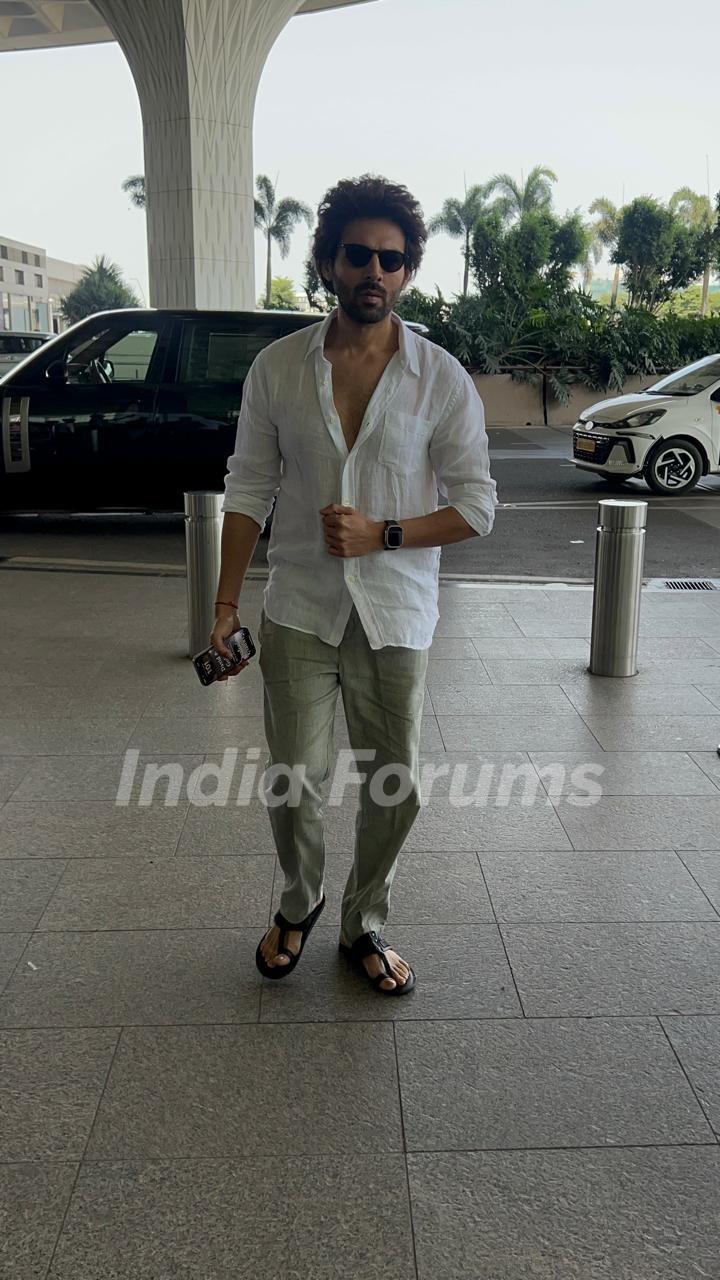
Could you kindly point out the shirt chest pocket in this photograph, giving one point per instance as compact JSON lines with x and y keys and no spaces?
{"x":404,"y":440}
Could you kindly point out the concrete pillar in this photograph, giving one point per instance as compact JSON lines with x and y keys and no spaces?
{"x":196,"y":64}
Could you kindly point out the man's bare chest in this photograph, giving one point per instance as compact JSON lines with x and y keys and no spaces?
{"x":353,"y":389}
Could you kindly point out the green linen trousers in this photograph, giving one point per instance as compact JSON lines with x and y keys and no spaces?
{"x":382,"y":692}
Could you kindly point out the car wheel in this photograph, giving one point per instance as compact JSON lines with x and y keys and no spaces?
{"x":674,"y":466}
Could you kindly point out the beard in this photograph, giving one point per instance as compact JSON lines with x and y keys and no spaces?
{"x":363,"y":310}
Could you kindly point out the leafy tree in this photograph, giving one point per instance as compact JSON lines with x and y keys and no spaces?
{"x":277,"y":220}
{"x":568,"y":247}
{"x":100,"y":288}
{"x":517,"y":199}
{"x":658,"y":252}
{"x":135,"y":188}
{"x":607,"y":216}
{"x":527,"y":250}
{"x":488,"y":250}
{"x":696,"y":212}
{"x":457,"y":218}
{"x":282,"y":295}
{"x":313,"y":288}
{"x":537,"y":251}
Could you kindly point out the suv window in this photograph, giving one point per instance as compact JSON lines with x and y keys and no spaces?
{"x":18,"y":344}
{"x":111,"y":355}
{"x":215,"y":351}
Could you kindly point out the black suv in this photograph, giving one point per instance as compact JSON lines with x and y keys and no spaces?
{"x":130,"y":408}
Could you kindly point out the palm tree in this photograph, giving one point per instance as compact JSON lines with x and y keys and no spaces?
{"x":457,"y":218}
{"x":517,"y":199}
{"x":695,"y":211}
{"x":607,"y":221}
{"x":100,"y":288}
{"x":277,"y":219}
{"x":135,"y":188}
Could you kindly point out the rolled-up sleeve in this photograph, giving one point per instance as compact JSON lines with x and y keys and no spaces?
{"x":254,"y":468}
{"x":459,"y":455}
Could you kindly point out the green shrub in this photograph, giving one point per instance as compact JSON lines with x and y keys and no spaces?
{"x":557,"y":338}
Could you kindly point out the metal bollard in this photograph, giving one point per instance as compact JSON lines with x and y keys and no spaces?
{"x":619,"y":556}
{"x":203,"y":527}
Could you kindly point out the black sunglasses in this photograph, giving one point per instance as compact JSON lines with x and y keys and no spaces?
{"x":358,"y":255}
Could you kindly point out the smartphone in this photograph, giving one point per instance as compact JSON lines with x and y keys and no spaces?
{"x":210,"y":664}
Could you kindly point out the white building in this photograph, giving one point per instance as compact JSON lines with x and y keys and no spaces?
{"x":62,"y":278}
{"x":23,"y":286}
{"x":32,"y":287}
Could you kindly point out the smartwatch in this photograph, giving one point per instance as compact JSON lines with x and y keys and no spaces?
{"x":393,"y":537}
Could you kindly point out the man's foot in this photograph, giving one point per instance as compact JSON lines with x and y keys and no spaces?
{"x":269,"y":944}
{"x":374,"y":965}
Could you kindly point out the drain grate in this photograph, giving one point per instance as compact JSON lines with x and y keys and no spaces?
{"x":682,"y":584}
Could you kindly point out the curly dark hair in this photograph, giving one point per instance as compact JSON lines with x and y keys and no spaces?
{"x":368,"y":196}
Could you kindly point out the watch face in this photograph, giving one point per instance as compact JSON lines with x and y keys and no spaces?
{"x":394,"y":536}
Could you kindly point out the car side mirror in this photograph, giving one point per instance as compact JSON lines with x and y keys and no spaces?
{"x":56,"y":373}
{"x":716,"y":395}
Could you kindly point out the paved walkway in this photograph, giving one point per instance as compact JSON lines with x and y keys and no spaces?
{"x":545,"y":1104}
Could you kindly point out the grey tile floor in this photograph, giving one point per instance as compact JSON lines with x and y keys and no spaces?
{"x":546,"y":1102}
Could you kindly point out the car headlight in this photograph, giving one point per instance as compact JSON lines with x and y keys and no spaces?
{"x":643,"y":419}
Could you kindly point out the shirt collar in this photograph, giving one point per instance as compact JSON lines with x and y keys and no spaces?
{"x":407,"y":341}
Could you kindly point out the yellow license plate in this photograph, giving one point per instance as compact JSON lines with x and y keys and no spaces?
{"x":585,"y":446}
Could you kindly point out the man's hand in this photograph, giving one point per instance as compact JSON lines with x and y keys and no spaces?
{"x":348,"y":533}
{"x":227,"y":621}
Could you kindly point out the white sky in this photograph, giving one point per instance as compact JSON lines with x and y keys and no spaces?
{"x":618,"y":97}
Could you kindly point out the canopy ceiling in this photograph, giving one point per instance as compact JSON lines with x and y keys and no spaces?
{"x":50,"y":24}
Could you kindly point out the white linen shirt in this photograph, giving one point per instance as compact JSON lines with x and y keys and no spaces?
{"x":423,"y":430}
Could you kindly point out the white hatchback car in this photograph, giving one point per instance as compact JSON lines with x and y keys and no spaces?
{"x":668,"y":434}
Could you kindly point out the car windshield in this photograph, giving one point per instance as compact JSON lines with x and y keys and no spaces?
{"x":689,"y":381}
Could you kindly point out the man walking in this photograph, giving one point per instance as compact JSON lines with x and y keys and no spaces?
{"x":354,"y":423}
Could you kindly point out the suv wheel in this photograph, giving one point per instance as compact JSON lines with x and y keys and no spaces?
{"x":674,"y":467}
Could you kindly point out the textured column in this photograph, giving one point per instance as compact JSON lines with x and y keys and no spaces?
{"x":196,"y":64}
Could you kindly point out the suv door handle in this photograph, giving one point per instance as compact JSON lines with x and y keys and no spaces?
{"x":15,"y":433}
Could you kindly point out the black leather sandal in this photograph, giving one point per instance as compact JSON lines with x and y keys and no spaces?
{"x":372,"y":943}
{"x":286,"y":926}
